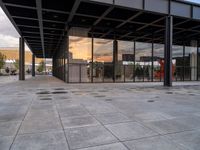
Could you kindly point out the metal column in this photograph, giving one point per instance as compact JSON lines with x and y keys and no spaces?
{"x":33,"y":65}
{"x":115,"y":59}
{"x":21,"y":59}
{"x":168,"y":51}
{"x":152,"y":60}
{"x":198,"y":60}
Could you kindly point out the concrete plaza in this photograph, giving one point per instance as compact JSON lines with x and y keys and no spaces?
{"x":44,"y":113}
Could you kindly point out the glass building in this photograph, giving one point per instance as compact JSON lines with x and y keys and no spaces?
{"x":95,"y":41}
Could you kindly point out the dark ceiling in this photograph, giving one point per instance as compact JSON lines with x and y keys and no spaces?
{"x":44,"y":24}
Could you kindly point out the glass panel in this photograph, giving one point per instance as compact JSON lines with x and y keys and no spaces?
{"x":80,"y":53}
{"x":158,"y":62}
{"x":143,"y":64}
{"x":103,"y":60}
{"x":125,"y":65}
{"x":129,"y":73}
{"x":190,"y":63}
{"x":74,"y":72}
{"x":86,"y":72}
{"x":177,"y":60}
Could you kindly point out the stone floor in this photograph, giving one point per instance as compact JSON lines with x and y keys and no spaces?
{"x":43,"y":113}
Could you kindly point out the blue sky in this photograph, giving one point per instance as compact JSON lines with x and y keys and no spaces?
{"x":195,"y":1}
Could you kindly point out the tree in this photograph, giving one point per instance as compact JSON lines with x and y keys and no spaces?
{"x":7,"y":70}
{"x":41,"y":67}
{"x":2,"y":60}
{"x":16,"y":64}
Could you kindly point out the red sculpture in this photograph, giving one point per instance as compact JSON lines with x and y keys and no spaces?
{"x":160,"y":73}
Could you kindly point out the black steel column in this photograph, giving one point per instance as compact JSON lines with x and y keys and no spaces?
{"x":152,"y":60}
{"x":198,"y":60}
{"x":115,"y":59}
{"x":92,"y":65}
{"x":33,"y":65}
{"x":168,"y":51}
{"x":134,"y":49}
{"x":21,"y":59}
{"x":67,"y":57}
{"x":183,"y":67}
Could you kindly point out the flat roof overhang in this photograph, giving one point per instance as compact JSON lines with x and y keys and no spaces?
{"x":43,"y":23}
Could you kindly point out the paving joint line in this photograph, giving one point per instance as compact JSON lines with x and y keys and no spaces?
{"x":17,"y":133}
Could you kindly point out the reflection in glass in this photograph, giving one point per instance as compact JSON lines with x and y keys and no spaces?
{"x":79,"y":59}
{"x":103,"y":60}
{"x":143,"y":63}
{"x":158,"y":62}
{"x":178,"y":62}
{"x":125,"y":64}
{"x":190,"y":63}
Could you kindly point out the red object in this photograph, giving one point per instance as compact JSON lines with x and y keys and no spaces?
{"x":160,"y":73}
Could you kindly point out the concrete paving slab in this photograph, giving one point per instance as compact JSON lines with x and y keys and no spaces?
{"x":41,"y":141}
{"x":9,"y":128}
{"x":100,"y":107}
{"x":74,"y":122}
{"x":112,"y":118}
{"x":152,"y":116}
{"x":175,"y":125}
{"x":40,"y":125}
{"x":98,"y":116}
{"x":5,"y":142}
{"x":41,"y":114}
{"x":89,"y":136}
{"x":72,"y":111}
{"x":188,"y":139}
{"x":114,"y":146}
{"x":130,"y":131}
{"x":12,"y":113}
{"x":153,"y":143}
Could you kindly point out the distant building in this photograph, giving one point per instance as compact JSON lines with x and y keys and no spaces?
{"x":12,"y":54}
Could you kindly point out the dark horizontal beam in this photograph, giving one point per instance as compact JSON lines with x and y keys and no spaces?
{"x":34,"y":8}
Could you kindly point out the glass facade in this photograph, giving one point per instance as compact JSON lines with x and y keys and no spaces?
{"x":190,"y":63}
{"x":80,"y":59}
{"x":158,"y":62}
{"x":95,"y":60}
{"x":178,"y":63}
{"x":143,"y":61}
{"x":184,"y":63}
{"x":125,"y":64}
{"x":103,"y":60}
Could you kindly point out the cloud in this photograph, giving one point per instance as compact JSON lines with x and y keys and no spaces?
{"x":6,"y":27}
{"x":8,"y":34}
{"x":8,"y":41}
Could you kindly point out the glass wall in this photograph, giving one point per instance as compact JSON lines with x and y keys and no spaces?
{"x":190,"y":63}
{"x":178,"y":63}
{"x":158,"y":62}
{"x":93,"y":62}
{"x":143,"y":61}
{"x":125,"y":64}
{"x":59,"y":62}
{"x":80,"y":59}
{"x":103,"y":60}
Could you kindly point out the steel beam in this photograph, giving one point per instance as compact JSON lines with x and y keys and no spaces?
{"x":33,"y":65}
{"x":115,"y":59}
{"x":168,"y":51}
{"x":21,"y":59}
{"x":39,"y":13}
